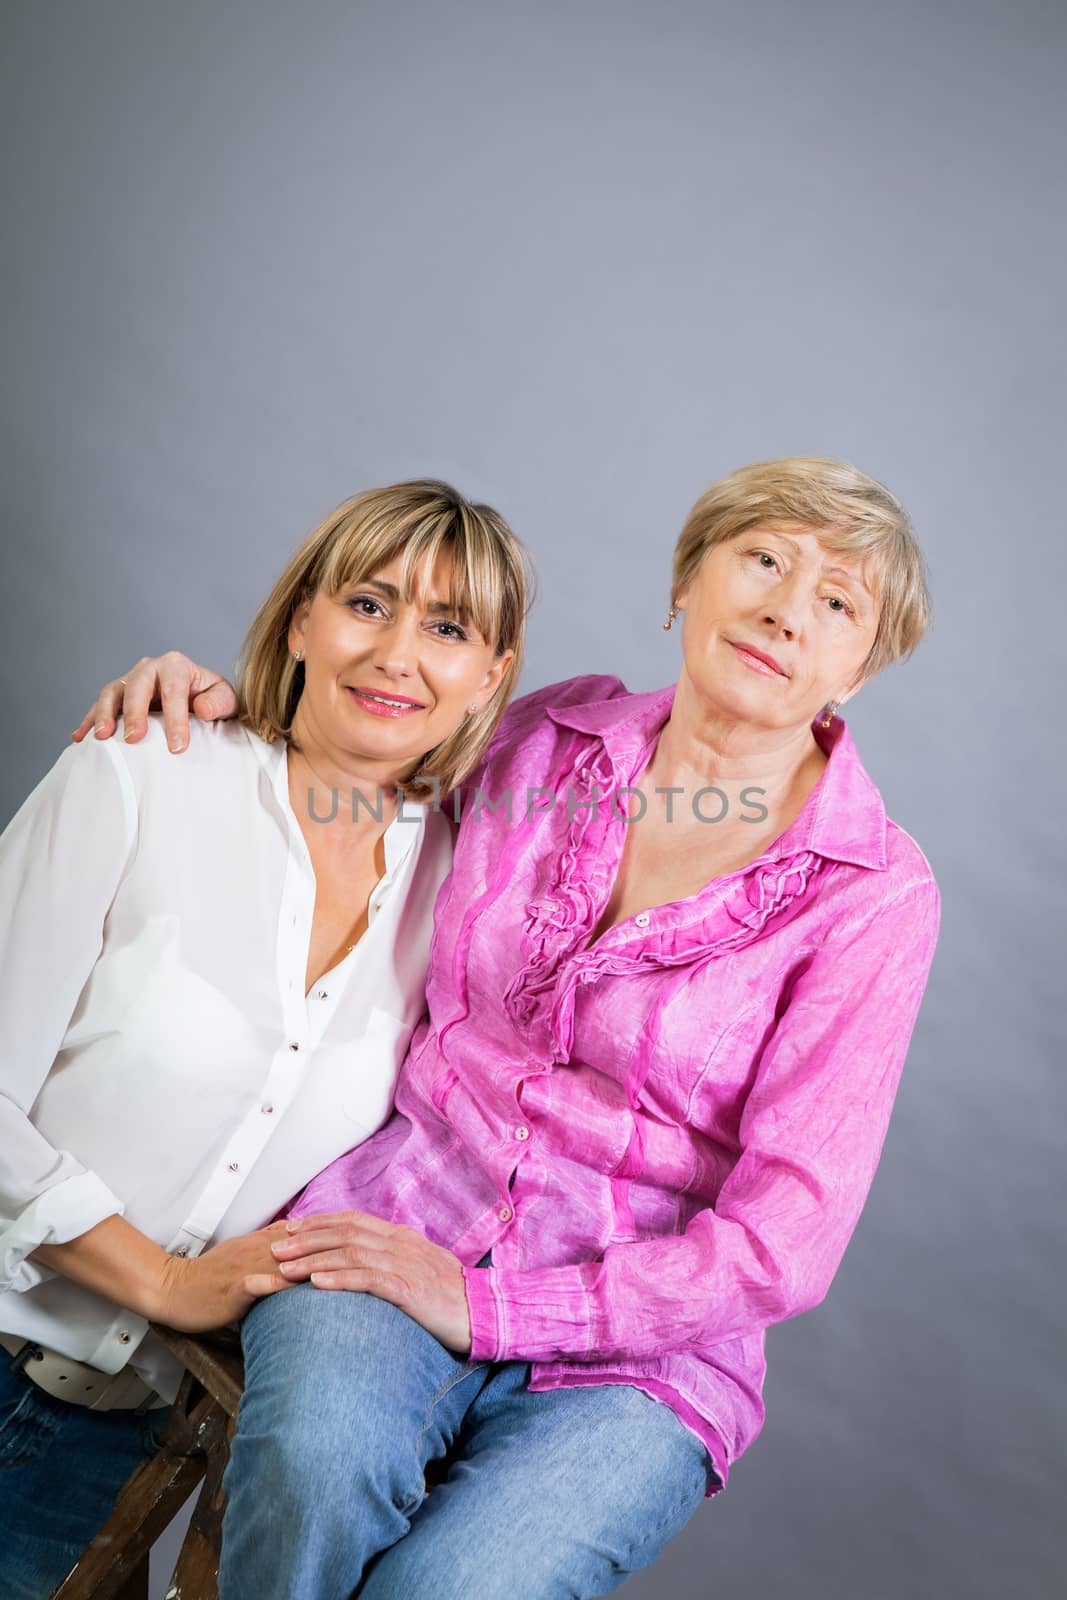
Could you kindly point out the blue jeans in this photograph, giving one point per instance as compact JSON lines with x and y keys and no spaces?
{"x":346,"y":1400}
{"x":61,"y":1468}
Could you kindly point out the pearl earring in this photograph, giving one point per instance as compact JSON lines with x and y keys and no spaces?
{"x":672,"y":613}
{"x":472,"y":708}
{"x":830,"y":709}
{"x":298,"y":655}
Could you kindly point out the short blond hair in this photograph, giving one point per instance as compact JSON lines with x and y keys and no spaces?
{"x":416,"y":521}
{"x":854,"y":516}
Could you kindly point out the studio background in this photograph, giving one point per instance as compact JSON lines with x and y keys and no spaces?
{"x":583,"y":259}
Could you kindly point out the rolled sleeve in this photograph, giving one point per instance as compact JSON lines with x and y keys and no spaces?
{"x":65,"y":1211}
{"x":62,"y":859}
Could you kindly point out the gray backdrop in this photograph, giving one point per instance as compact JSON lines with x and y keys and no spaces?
{"x":583,"y":259}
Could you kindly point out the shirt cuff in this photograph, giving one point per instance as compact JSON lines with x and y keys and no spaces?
{"x":481,"y":1306}
{"x":60,"y":1214}
{"x":546,"y":1315}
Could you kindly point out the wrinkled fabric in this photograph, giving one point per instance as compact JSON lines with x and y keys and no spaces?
{"x":665,"y":1138}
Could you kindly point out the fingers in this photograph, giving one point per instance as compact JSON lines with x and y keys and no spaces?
{"x":337,"y":1219}
{"x":379,"y":1271}
{"x":159,"y":680}
{"x":310,"y":1253}
{"x":131,"y":696}
{"x":215,"y":703}
{"x":261,"y":1284}
{"x":103,"y":712}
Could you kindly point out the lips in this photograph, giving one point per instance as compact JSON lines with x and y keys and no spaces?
{"x":381,"y":705}
{"x":759,"y":660}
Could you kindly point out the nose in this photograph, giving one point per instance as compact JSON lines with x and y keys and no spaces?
{"x":783,"y":607}
{"x":396,"y":655}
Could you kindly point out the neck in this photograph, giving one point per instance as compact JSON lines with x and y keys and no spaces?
{"x":700,"y":746}
{"x":330,"y":768}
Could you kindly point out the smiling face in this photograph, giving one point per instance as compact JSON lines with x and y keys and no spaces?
{"x":776,"y":625}
{"x":388,"y":678}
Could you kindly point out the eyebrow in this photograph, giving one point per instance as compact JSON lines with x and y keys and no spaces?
{"x":435,"y":608}
{"x":851,"y":578}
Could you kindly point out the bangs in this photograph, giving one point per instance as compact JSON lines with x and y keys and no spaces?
{"x":480,"y":584}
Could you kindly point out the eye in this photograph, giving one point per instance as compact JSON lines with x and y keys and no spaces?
{"x":364,"y":605}
{"x":840,"y":605}
{"x":450,"y":630}
{"x":767,"y":561}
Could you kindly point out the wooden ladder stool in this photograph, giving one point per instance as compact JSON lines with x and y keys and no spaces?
{"x":195,"y":1446}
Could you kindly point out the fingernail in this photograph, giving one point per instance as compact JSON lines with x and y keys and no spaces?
{"x":291,"y":1224}
{"x":277,"y":1248}
{"x":99,"y":727}
{"x":175,"y":743}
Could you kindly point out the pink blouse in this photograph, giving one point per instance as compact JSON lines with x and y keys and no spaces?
{"x":665,"y":1138}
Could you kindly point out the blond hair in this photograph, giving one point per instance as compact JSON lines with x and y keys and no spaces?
{"x":853,"y":515}
{"x":417,"y":522}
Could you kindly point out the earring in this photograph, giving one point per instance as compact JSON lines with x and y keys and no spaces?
{"x":672,"y":613}
{"x":472,"y":708}
{"x":298,"y":655}
{"x":830,"y":708}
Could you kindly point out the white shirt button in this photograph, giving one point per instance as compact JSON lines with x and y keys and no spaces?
{"x":294,"y":1047}
{"x":267,"y":1110}
{"x":522,"y":1133}
{"x":505,"y":1213}
{"x":181,"y":1250}
{"x":323,"y":995}
{"x":642,"y":919}
{"x":124,"y":1337}
{"x":234,"y":1167}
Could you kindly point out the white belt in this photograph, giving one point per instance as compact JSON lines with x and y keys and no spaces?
{"x":77,"y":1382}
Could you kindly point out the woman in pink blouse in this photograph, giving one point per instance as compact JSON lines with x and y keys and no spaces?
{"x":674,"y":975}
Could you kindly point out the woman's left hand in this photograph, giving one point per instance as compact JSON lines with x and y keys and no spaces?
{"x":351,"y":1250}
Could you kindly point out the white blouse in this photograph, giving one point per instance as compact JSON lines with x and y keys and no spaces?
{"x":158,"y":1055}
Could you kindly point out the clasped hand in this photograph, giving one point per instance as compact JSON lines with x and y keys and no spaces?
{"x":351,"y":1250}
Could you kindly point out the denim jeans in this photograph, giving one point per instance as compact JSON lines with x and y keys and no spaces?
{"x":346,"y":1399}
{"x":61,"y":1468}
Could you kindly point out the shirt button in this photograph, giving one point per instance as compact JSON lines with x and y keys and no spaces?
{"x":181,"y":1250}
{"x":267,"y":1110}
{"x":294,"y":1047}
{"x":505,"y":1213}
{"x":642,"y":919}
{"x":323,"y":995}
{"x":234,"y":1167}
{"x":124,"y":1337}
{"x":522,"y":1133}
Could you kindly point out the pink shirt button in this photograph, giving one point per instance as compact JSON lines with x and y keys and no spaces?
{"x":522,"y":1133}
{"x":505,"y":1213}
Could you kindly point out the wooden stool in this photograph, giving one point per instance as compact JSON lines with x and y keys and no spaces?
{"x":196,"y":1445}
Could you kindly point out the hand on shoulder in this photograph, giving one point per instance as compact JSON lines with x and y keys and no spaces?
{"x":171,"y":682}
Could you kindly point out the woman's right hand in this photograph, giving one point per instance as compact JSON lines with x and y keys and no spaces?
{"x":201,"y":1292}
{"x":171,"y":680}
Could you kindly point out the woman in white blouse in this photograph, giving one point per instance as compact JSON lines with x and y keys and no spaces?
{"x":209,"y":971}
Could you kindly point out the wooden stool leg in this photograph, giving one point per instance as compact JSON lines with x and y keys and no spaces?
{"x":196,"y":1575}
{"x":151,"y":1499}
{"x":136,"y":1585}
